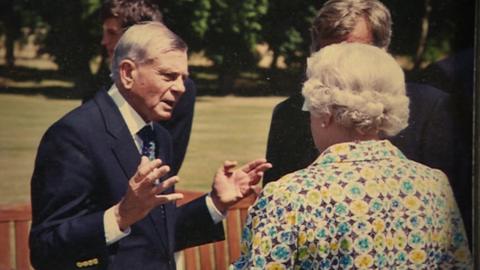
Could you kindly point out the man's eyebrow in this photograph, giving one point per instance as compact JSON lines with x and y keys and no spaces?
{"x":170,"y":71}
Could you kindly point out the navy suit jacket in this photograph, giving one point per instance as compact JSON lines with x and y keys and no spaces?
{"x":430,"y":138}
{"x":82,"y":168}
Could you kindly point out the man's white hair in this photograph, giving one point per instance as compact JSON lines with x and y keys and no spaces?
{"x":360,"y":85}
{"x":136,"y":42}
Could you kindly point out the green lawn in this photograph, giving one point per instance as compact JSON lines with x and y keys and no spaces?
{"x":232,"y":128}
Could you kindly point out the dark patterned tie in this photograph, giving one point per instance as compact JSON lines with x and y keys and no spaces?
{"x":148,"y":146}
{"x":149,"y":150}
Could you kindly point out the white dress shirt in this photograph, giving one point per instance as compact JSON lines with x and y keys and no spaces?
{"x":134,"y":124}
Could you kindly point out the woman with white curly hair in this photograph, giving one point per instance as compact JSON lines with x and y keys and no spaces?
{"x":362,"y":203}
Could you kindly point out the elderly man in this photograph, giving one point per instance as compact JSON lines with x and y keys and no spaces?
{"x":96,"y":201}
{"x":429,"y":138}
{"x":116,"y":17}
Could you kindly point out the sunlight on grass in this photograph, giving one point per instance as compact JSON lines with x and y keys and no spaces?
{"x":23,"y":120}
{"x":224,"y":128}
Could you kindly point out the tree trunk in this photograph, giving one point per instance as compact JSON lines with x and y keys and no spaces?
{"x":423,"y":35}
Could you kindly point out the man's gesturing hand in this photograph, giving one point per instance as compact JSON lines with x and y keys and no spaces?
{"x":230,"y":186}
{"x":143,"y":194}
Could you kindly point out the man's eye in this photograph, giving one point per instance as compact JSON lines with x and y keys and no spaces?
{"x":169,"y":76}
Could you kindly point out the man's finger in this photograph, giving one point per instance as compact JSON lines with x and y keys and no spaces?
{"x":156,"y":174}
{"x":166,"y":184}
{"x":260,"y":169}
{"x":229,"y":165}
{"x":166,"y":198}
{"x":253,"y":164}
{"x":145,"y":168}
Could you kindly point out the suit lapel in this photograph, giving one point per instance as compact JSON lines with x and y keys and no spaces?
{"x":125,"y":150}
{"x":122,"y":143}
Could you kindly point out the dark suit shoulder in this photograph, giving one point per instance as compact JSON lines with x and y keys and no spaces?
{"x":422,"y":92}
{"x":293,"y":104}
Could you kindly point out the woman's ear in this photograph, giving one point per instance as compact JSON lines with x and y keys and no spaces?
{"x":127,"y":71}
{"x":327,"y":119}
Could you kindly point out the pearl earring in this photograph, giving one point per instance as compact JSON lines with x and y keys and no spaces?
{"x":322,"y":125}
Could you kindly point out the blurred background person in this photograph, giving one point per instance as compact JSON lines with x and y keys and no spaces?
{"x":430,"y":138}
{"x":362,"y":203}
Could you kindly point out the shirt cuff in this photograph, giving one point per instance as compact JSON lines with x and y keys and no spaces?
{"x":112,"y":231}
{"x":216,"y":215}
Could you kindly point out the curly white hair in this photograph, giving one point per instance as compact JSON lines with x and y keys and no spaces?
{"x":362,"y":86}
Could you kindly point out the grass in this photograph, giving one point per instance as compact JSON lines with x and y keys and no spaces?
{"x":233,"y":128}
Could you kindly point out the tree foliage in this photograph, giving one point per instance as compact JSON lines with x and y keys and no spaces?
{"x":227,"y":31}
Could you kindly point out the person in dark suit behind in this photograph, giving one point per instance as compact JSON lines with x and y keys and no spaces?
{"x":429,"y":138}
{"x":116,"y":17}
{"x":96,"y":202}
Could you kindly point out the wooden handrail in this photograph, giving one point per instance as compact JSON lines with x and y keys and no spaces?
{"x":17,"y":218}
{"x":217,"y":255}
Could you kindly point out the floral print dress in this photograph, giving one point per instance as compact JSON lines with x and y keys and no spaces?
{"x":360,"y":205}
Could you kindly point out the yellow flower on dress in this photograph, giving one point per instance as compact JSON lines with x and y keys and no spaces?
{"x":393,"y":186}
{"x":269,"y":189}
{"x":379,"y":242}
{"x":389,"y":242}
{"x":378,"y":225}
{"x":462,"y":254}
{"x":382,"y":188}
{"x":256,"y":240}
{"x":290,"y":217}
{"x":400,"y":240}
{"x":359,"y":207}
{"x":325,"y":194}
{"x":312,"y":248}
{"x":411,"y":202}
{"x":340,"y":149}
{"x":371,"y":187}
{"x":337,"y":193}
{"x":275,"y":266}
{"x":314,"y":198}
{"x":244,"y":247}
{"x":302,"y":238}
{"x":417,"y":256}
{"x":364,"y":261}
{"x":255,"y":221}
{"x":265,"y":246}
{"x":367,"y":173}
{"x":435,"y":237}
{"x":334,"y":246}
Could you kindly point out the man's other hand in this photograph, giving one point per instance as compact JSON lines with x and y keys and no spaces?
{"x":230,"y":185}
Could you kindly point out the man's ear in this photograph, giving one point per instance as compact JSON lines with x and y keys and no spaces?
{"x":127,"y":71}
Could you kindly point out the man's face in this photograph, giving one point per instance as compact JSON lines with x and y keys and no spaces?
{"x":112,"y":31}
{"x":158,"y":85}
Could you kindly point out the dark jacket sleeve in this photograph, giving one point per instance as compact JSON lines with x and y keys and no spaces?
{"x":290,"y":145}
{"x":66,"y":224}
{"x":194,"y":225}
{"x":444,"y":148}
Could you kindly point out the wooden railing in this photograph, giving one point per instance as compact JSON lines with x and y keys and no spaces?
{"x":15,"y":225}
{"x":219,"y":255}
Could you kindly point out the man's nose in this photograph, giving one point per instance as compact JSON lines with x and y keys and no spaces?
{"x":179,"y":86}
